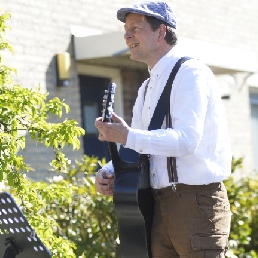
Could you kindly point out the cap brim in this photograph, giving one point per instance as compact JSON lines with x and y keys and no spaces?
{"x":121,"y":15}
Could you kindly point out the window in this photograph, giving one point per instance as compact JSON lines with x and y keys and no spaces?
{"x":90,"y":112}
{"x":254,"y":122}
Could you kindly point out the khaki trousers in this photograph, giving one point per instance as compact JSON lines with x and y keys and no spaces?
{"x":191,"y":222}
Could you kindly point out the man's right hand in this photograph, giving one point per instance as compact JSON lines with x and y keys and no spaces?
{"x":104,"y":182}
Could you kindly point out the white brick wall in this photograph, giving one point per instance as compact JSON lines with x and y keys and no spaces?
{"x":41,"y":29}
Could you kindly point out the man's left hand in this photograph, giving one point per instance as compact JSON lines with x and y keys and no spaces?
{"x":112,"y":132}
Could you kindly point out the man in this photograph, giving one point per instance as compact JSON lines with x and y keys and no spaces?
{"x":192,"y":220}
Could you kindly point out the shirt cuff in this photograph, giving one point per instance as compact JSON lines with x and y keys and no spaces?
{"x":138,"y":140}
{"x":131,"y":138}
{"x":109,"y":167}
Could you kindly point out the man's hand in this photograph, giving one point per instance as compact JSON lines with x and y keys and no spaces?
{"x":104,"y":182}
{"x":112,"y":132}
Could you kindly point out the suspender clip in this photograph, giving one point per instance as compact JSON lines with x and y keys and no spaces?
{"x":174,"y":186}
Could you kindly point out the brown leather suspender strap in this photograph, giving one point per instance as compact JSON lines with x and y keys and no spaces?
{"x":171,"y":161}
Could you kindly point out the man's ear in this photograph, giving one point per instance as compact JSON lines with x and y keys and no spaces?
{"x":162,"y":31}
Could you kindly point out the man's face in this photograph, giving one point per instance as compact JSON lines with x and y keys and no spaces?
{"x":140,"y":39}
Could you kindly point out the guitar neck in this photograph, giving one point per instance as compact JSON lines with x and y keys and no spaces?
{"x":108,"y":101}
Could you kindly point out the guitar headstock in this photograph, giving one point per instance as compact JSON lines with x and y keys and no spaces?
{"x":108,"y":101}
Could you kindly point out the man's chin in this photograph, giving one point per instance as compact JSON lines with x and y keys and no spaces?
{"x":134,"y":58}
{"x":131,"y":57}
{"x":137,"y":59}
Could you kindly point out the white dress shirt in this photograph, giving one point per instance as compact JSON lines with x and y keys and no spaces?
{"x":199,"y":138}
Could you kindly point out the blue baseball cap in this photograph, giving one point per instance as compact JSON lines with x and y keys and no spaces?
{"x":158,"y":9}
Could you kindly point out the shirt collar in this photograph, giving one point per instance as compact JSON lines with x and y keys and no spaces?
{"x":161,"y":65}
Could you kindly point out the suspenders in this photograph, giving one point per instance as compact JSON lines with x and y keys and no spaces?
{"x":163,"y":109}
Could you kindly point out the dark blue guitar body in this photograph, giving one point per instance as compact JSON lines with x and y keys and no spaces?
{"x":133,"y":205}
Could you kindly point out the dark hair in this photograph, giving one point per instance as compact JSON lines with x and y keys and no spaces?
{"x":171,"y":37}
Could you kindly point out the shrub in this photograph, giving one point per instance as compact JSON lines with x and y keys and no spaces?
{"x":24,"y":110}
{"x":89,"y":220}
{"x":243,"y":197}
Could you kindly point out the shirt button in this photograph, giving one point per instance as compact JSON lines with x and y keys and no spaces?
{"x":140,"y":150}
{"x":149,"y":107}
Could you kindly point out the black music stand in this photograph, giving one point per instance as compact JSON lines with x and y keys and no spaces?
{"x":17,"y":238}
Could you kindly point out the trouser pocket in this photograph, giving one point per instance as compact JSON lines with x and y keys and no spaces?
{"x":209,"y":241}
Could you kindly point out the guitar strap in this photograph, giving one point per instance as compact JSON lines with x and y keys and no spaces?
{"x":163,"y":109}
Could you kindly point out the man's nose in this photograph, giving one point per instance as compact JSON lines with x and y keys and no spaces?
{"x":127,"y":35}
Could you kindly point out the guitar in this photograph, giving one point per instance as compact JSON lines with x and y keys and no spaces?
{"x":133,"y":206}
